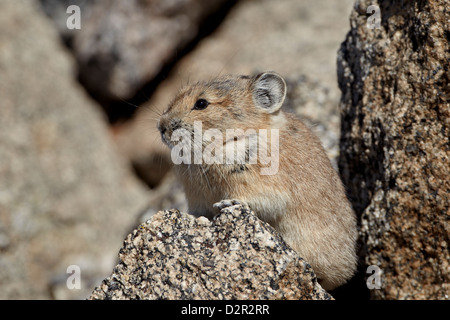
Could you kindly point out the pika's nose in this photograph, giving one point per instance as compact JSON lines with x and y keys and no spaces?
{"x":165,"y":124}
{"x":175,"y":124}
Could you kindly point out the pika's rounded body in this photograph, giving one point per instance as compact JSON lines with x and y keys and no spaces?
{"x":302,"y":197}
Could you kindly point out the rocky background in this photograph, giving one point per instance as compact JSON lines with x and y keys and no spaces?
{"x":81,"y":164}
{"x":395,"y":147}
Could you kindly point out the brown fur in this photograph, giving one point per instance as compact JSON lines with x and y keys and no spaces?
{"x":304,"y":201}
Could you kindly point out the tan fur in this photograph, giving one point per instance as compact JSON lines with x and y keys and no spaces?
{"x":304,"y":201}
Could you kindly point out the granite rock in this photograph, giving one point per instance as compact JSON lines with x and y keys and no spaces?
{"x":235,"y":256}
{"x":394,"y":149}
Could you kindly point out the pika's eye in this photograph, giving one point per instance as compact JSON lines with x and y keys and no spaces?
{"x":201,"y":104}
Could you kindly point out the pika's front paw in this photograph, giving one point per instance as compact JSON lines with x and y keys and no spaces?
{"x":228,"y":203}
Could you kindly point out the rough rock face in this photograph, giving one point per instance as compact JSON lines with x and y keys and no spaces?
{"x":124,"y":44}
{"x":236,"y":256}
{"x":395,"y":143}
{"x":61,"y":180}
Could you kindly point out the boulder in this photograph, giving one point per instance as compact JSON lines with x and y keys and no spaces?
{"x":64,"y":189}
{"x":122,"y":45}
{"x":394,"y":149}
{"x":235,"y":256}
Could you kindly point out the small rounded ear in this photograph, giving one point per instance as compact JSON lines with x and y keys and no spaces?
{"x":269,"y":91}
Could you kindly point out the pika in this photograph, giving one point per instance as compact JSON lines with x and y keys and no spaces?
{"x":304,"y":200}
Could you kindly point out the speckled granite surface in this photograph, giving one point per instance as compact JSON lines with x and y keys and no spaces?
{"x":236,"y":256}
{"x":395,"y":148}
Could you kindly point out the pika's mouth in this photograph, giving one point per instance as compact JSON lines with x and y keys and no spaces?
{"x":164,"y":140}
{"x":162,"y":130}
{"x":165,"y":137}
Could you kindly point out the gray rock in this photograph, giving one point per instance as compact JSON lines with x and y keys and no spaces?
{"x":124,"y":44}
{"x":236,"y":256}
{"x":395,"y":143}
{"x":64,"y":190}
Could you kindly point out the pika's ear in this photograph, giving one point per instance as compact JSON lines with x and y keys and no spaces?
{"x":269,"y":91}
